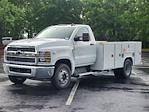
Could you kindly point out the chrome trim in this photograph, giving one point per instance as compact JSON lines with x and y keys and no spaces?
{"x":21,"y":54}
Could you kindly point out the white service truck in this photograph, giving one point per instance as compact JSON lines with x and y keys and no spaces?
{"x":59,"y":52}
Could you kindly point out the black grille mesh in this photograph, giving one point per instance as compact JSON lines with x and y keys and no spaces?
{"x":21,"y":59}
{"x":21,"y":49}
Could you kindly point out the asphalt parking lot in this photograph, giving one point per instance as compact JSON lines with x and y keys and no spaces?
{"x":101,"y":93}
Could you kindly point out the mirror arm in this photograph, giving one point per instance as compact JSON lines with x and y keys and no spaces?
{"x":77,"y":39}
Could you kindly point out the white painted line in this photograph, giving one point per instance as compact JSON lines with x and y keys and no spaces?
{"x":72,"y":93}
{"x":146,"y":80}
{"x":134,"y":73}
{"x":142,"y":67}
{"x":3,"y":74}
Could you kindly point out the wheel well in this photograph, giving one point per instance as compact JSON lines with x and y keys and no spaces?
{"x":64,"y":61}
{"x":129,"y":59}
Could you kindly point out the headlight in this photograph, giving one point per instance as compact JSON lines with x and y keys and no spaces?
{"x":44,"y":57}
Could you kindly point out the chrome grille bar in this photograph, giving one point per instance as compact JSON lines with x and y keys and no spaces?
{"x":21,"y":54}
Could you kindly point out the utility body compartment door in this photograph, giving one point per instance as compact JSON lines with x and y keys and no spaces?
{"x":138,"y":47}
{"x":105,"y":56}
{"x":108,"y":56}
{"x":118,"y":56}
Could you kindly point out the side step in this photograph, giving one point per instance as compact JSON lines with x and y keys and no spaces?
{"x":86,"y":73}
{"x":92,"y":73}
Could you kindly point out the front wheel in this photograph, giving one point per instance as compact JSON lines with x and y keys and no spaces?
{"x":62,"y":76}
{"x":125,"y":72}
{"x":17,"y":80}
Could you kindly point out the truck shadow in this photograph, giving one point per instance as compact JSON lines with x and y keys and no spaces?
{"x":37,"y":89}
{"x":97,"y":83}
{"x":92,"y":83}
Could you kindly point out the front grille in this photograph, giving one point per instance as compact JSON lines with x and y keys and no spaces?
{"x":24,"y":49}
{"x":18,"y":59}
{"x":20,"y":70}
{"x":21,"y":54}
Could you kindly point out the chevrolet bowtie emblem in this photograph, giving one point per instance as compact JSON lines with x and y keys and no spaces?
{"x":19,"y":52}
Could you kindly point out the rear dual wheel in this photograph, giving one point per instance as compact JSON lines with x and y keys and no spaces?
{"x":125,"y":72}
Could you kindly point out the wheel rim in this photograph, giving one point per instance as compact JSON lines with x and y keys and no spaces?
{"x":63,"y":77}
{"x":128,"y":69}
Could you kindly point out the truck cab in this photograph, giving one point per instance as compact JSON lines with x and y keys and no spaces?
{"x":57,"y":53}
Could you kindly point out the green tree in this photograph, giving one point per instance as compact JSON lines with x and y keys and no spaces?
{"x":43,"y":13}
{"x":11,"y":19}
{"x":109,"y":19}
{"x":112,"y":19}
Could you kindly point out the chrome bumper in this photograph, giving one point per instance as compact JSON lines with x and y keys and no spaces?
{"x":37,"y":72}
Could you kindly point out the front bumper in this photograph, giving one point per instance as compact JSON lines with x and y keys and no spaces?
{"x":34,"y":72}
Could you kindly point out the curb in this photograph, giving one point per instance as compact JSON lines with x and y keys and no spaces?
{"x":141,"y":66}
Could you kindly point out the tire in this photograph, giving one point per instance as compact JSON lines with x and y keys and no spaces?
{"x":62,"y":76}
{"x":125,"y":72}
{"x":17,"y":80}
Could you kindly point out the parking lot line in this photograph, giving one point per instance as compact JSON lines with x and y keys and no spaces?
{"x":142,"y":67}
{"x":72,"y":93}
{"x":134,"y":73}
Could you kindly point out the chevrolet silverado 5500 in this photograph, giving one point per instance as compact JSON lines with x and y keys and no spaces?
{"x":59,"y":52}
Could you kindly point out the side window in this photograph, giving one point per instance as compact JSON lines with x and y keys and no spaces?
{"x":81,"y":31}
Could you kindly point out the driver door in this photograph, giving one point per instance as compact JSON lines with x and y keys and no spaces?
{"x":84,"y":51}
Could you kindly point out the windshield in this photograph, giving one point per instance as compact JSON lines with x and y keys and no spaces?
{"x":60,"y":32}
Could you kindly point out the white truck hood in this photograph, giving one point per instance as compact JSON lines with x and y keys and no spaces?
{"x":40,"y":42}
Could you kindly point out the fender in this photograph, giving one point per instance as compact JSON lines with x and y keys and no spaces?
{"x":62,"y":52}
{"x":129,"y":57}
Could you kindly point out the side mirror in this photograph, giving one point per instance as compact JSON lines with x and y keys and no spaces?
{"x":86,"y":37}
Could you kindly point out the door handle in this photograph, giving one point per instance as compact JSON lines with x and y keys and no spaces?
{"x":92,"y":44}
